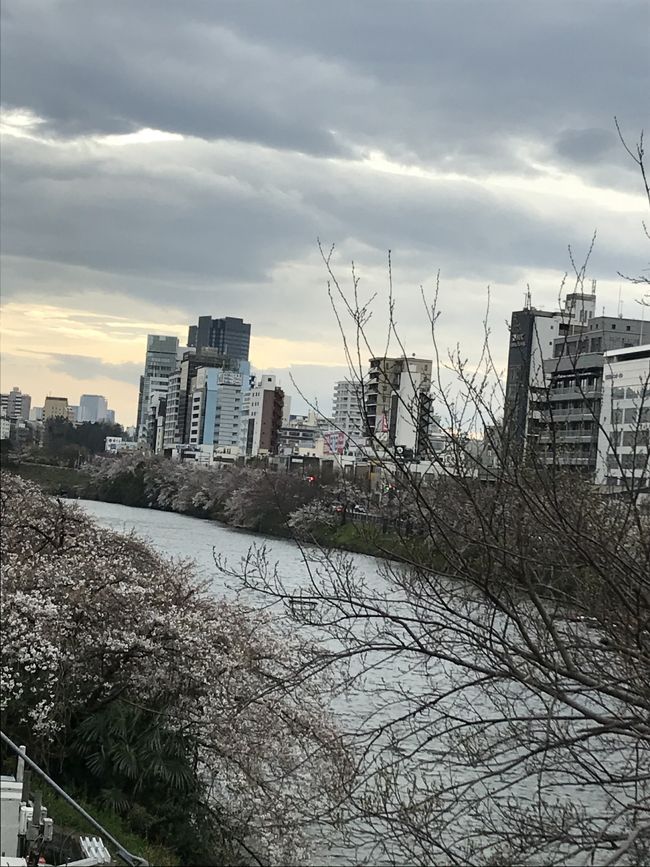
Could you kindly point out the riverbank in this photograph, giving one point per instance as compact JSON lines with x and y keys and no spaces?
{"x":53,"y":480}
{"x":352,"y":535}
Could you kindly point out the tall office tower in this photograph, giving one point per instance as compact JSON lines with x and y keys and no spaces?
{"x":532,"y":335}
{"x":160,"y":363}
{"x":397,"y":403}
{"x":92,"y":408}
{"x":263,"y":407}
{"x":229,"y":336}
{"x":16,"y":405}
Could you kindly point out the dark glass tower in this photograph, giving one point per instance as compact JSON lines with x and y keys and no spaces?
{"x":229,"y":336}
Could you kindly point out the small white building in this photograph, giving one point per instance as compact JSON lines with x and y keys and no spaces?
{"x":115,"y":445}
{"x":624,"y":434}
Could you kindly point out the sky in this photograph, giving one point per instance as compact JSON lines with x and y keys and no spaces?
{"x":162,"y":161}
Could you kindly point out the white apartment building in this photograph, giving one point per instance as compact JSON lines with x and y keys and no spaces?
{"x":263,"y":411}
{"x":398,"y":404}
{"x":347,"y":415}
{"x":624,"y":434}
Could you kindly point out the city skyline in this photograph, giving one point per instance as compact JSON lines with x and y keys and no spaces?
{"x":155,"y":199}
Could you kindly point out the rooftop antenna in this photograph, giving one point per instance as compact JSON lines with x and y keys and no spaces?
{"x":620,"y":303}
{"x":641,"y":329}
{"x":528,"y":302}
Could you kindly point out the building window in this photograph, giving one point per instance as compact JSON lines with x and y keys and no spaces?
{"x":630,"y":415}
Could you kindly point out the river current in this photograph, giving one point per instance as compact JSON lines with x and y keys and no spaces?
{"x":191,"y":538}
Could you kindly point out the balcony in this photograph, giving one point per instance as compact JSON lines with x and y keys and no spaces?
{"x":567,"y":437}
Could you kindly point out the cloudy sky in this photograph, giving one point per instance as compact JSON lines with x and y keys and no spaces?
{"x":166,"y":160}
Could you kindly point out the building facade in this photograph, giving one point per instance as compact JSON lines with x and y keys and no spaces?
{"x":229,"y":336}
{"x":263,"y":409}
{"x":55,"y":407}
{"x":16,"y":405}
{"x":533,"y":335}
{"x":347,"y":414}
{"x":624,"y":432}
{"x":216,"y":407}
{"x":161,"y":361}
{"x":92,"y":408}
{"x":564,"y":416}
{"x":397,"y":409}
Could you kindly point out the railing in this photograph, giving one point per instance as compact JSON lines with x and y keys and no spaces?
{"x":120,"y":851}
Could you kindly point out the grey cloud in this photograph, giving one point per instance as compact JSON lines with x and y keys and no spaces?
{"x":217,"y":232}
{"x":87,"y":367}
{"x":458,"y":84}
{"x":587,"y":145}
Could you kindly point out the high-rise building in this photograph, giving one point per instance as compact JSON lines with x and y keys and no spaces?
{"x":92,"y":408}
{"x":180,"y":392}
{"x":229,"y":335}
{"x":397,"y":409}
{"x":532,"y":336}
{"x":216,"y":407}
{"x":16,"y":405}
{"x":263,"y":407}
{"x":347,"y":410}
{"x":55,"y":407}
{"x":160,"y":362}
{"x":564,"y":416}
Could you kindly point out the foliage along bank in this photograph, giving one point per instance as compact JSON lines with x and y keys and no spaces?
{"x":156,"y":701}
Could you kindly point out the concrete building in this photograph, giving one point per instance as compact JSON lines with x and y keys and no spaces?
{"x":216,"y":407}
{"x":532,"y":336}
{"x":397,"y":403}
{"x":117,"y":445}
{"x":263,"y":407}
{"x":564,"y":415}
{"x":229,"y":335}
{"x":161,"y":360}
{"x":55,"y":407}
{"x":16,"y":405}
{"x":179,"y":412}
{"x":624,"y":432}
{"x":5,"y":428}
{"x":156,"y":424}
{"x":347,"y":414}
{"x":92,"y":408}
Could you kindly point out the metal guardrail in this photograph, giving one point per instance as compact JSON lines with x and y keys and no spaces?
{"x":120,"y":851}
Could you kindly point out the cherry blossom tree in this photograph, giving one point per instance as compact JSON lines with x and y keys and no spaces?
{"x":95,"y":620}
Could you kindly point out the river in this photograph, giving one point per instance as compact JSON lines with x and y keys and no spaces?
{"x":397,"y":680}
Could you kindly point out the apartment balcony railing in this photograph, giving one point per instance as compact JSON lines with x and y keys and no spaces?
{"x":566,"y":437}
{"x":563,"y":414}
{"x":570,"y":461}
